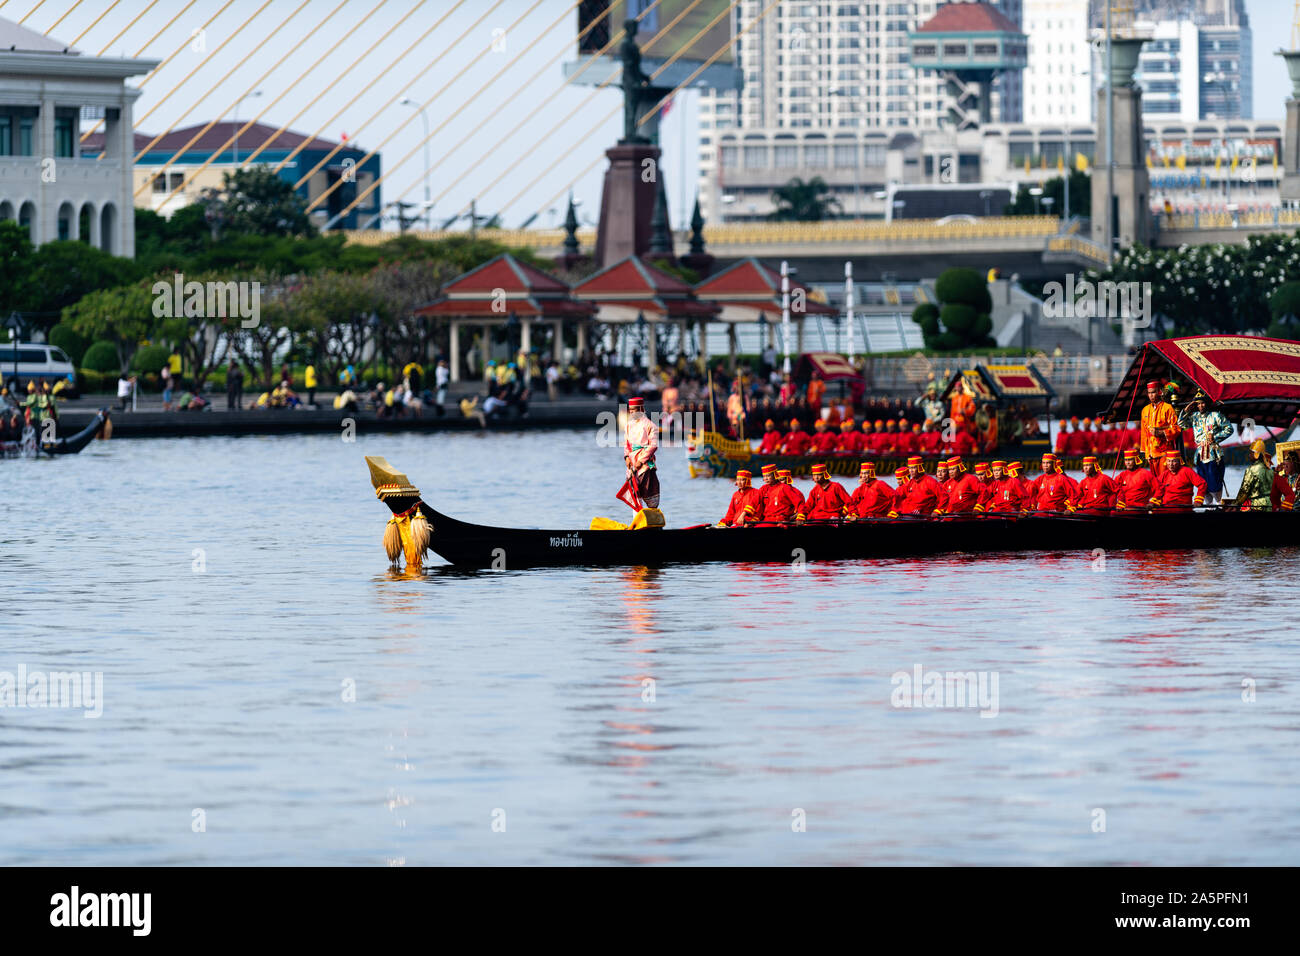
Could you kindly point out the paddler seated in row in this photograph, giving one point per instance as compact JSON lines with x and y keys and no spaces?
{"x":782,"y":500}
{"x":963,"y":490}
{"x":1004,"y":495}
{"x":1178,"y":486}
{"x":772,"y":439}
{"x":1135,"y":486}
{"x":905,"y":444}
{"x":872,"y":498}
{"x":746,"y":507}
{"x":826,"y":502}
{"x":924,"y":495}
{"x":797,"y":441}
{"x":1096,"y":492}
{"x":850,"y":441}
{"x":823,"y":441}
{"x":1053,"y":490}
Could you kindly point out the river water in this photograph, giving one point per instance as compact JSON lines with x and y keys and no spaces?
{"x":271,"y":694}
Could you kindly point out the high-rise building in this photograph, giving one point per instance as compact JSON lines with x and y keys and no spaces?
{"x":1057,"y":81}
{"x":841,"y":67}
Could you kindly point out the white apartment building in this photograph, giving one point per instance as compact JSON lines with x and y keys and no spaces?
{"x":832,"y":65}
{"x":45,"y":184}
{"x":1058,"y":80}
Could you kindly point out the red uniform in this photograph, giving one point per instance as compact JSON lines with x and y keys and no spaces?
{"x":746,"y":507}
{"x":796,"y":443}
{"x":964,"y":494}
{"x":1132,"y":438}
{"x":1282,"y":493}
{"x":874,"y":499}
{"x":771,"y":444}
{"x":963,"y":443}
{"x":823,"y":443}
{"x":906,"y":444}
{"x":1174,"y":490}
{"x":825,"y":503}
{"x":1077,"y":444}
{"x":880,"y":443}
{"x":1005,"y":496}
{"x":850,"y":441}
{"x":1051,"y":491}
{"x":1135,"y":488}
{"x":1096,"y":494}
{"x":927,"y":443}
{"x":781,"y":502}
{"x":1062,"y":437}
{"x":924,"y":495}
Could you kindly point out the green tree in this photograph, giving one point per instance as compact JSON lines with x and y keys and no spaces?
{"x":340,"y":314}
{"x":60,"y":273}
{"x":800,"y":201}
{"x":961,"y":320}
{"x":15,"y":264}
{"x":255,"y":202}
{"x":1284,"y":305}
{"x":1054,"y":189}
{"x":122,"y":315}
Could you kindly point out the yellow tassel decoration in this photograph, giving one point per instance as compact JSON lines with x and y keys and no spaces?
{"x":421,"y":533}
{"x":393,"y":540}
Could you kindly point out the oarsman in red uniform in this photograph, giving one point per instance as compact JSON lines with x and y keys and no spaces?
{"x":1005,"y":493}
{"x":872,"y":498}
{"x":1053,"y":490}
{"x":963,"y":442}
{"x":1178,"y":486}
{"x":964,"y":489}
{"x":1096,"y":494}
{"x":827,"y":500}
{"x":850,"y":438}
{"x":906,"y":441}
{"x":797,"y":441}
{"x":1062,"y":436}
{"x":900,"y":493}
{"x":1078,"y":441}
{"x":891,"y":437}
{"x":823,"y":442}
{"x":986,"y":487}
{"x":1023,"y":484}
{"x":945,"y":479}
{"x":924,"y":494}
{"x":1135,"y":486}
{"x":772,"y":439}
{"x":927,"y":443}
{"x":867,"y":440}
{"x":783,"y":500}
{"x":746,"y":506}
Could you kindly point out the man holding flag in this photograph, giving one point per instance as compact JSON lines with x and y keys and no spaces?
{"x":639,"y":447}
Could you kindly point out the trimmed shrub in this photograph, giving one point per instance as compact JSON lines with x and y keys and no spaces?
{"x":150,"y":358}
{"x":101,"y":357}
{"x":63,"y":336}
{"x":965,"y":286}
{"x":958,"y":318}
{"x":983,"y":327}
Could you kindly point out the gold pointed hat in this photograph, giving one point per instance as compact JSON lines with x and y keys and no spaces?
{"x":388,"y":481}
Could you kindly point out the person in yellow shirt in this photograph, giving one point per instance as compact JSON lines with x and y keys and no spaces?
{"x":1160,"y":432}
{"x":309,"y":380}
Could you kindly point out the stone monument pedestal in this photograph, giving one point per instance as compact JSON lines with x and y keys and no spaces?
{"x":627,"y":202}
{"x":1289,"y":188}
{"x":1129,"y":215}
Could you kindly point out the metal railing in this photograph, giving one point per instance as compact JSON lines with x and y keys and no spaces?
{"x":1275,"y":218}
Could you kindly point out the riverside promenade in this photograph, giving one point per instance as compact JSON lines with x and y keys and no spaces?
{"x":148,"y":420}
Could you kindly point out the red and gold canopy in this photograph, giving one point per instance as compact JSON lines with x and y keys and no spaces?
{"x":1250,"y":377}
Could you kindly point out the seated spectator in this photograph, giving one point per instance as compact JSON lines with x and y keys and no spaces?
{"x":346,"y":400}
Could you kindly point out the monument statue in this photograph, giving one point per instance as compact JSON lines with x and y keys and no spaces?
{"x":636,"y":85}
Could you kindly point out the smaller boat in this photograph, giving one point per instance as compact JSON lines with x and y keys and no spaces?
{"x":101,"y":426}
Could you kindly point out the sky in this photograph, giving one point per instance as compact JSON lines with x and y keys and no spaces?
{"x":507,"y":131}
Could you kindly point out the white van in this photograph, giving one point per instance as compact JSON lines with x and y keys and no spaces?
{"x":38,"y":363}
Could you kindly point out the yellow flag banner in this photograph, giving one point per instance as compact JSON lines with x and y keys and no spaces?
{"x":1081,"y":162}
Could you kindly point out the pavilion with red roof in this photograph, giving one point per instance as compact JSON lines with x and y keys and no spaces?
{"x":506,"y":291}
{"x":634,"y":291}
{"x":749,"y":291}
